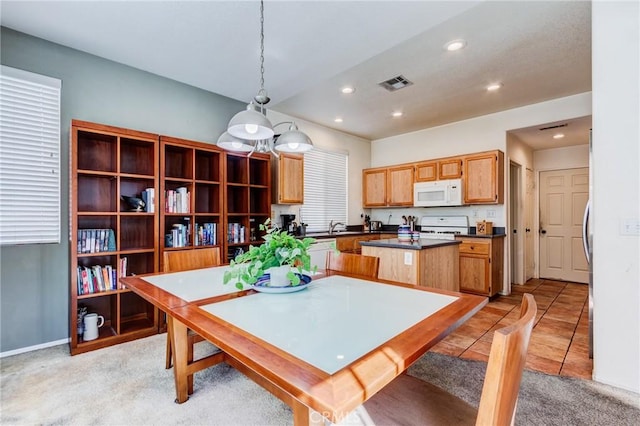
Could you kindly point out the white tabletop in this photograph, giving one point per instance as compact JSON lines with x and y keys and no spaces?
{"x":333,"y":322}
{"x":194,"y":285}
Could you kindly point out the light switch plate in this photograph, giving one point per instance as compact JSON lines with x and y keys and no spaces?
{"x":408,"y":258}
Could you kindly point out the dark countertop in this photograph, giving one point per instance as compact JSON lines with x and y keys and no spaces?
{"x":482,"y":236}
{"x":421,"y":244}
{"x":338,"y":234}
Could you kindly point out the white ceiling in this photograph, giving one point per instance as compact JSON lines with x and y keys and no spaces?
{"x":537,"y":50}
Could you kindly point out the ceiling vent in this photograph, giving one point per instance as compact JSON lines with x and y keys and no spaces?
{"x":554,"y":127}
{"x":395,"y":83}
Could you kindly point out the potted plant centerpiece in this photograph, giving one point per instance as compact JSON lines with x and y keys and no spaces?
{"x":282,"y":256}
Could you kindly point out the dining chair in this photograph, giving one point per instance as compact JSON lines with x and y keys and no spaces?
{"x":352,"y":263}
{"x":411,"y":401}
{"x":184,"y":260}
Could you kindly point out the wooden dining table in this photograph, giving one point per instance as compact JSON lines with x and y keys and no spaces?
{"x":323,"y":350}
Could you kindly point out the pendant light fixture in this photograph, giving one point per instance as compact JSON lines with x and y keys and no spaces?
{"x":251,"y":131}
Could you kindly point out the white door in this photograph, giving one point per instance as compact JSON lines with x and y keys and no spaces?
{"x":529,"y":258}
{"x":563,"y":197}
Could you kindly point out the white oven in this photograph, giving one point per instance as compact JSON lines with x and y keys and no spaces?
{"x":438,"y":193}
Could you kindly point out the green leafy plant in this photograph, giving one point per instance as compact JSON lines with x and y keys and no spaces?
{"x":279,"y":248}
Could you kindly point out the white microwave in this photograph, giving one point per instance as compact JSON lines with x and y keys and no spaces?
{"x":439,"y":193}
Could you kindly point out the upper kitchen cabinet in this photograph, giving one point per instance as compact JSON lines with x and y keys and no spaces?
{"x":426,"y":171}
{"x":288,"y":179}
{"x":374,"y":191}
{"x":450,"y":168}
{"x":389,"y":186}
{"x":483,"y":178}
{"x":446,"y":168}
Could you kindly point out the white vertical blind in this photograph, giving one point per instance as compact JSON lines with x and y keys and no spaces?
{"x":325,"y":189}
{"x":29,"y":158}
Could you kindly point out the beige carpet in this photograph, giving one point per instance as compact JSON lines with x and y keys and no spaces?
{"x":128,"y":385}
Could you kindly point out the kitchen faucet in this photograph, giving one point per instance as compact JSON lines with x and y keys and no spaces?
{"x":332,"y":226}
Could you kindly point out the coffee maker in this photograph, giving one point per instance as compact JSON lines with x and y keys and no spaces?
{"x":288,"y":223}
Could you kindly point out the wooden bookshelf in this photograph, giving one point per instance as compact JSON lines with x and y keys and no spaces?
{"x":107,"y":163}
{"x":195,"y":169}
{"x":217,"y":188}
{"x":248,"y":200}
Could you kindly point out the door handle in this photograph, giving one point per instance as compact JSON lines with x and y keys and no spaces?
{"x":515,"y":231}
{"x":527,"y":230}
{"x":585,"y":230}
{"x":543,"y":231}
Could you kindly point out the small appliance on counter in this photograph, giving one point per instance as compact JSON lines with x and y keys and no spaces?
{"x":288,"y":223}
{"x":375,"y":225}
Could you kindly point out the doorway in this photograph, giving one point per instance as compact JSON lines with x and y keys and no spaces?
{"x":563,"y":197}
{"x":515,"y":203}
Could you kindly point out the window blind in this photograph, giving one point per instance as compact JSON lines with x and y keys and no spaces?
{"x":325,"y":189}
{"x":29,"y":158}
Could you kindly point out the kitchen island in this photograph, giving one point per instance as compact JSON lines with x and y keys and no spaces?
{"x":426,"y":262}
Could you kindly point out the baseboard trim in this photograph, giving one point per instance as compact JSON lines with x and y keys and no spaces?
{"x":34,"y":348}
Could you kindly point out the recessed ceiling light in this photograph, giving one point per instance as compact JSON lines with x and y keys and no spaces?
{"x":455,"y":45}
{"x":338,"y":120}
{"x":347,"y":90}
{"x":493,"y":87}
{"x":558,"y":136}
{"x":397,"y":114}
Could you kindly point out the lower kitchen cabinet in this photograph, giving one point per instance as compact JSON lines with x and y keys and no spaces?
{"x":481,"y":265}
{"x":351,"y":244}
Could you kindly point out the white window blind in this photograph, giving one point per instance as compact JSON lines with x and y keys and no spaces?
{"x":29,"y":158}
{"x":325,"y":189}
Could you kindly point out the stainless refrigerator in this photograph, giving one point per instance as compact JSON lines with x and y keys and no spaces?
{"x":587,"y":241}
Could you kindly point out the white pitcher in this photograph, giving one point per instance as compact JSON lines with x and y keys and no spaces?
{"x":91,"y":324}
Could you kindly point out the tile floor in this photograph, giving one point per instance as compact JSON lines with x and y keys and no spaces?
{"x":559,"y":343}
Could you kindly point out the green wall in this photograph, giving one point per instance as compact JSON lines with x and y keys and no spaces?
{"x":34,"y":279}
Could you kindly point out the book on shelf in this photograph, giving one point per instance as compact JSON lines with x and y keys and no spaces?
{"x":122,"y":269}
{"x":235,"y":233}
{"x":206,"y":234}
{"x":96,"y":279}
{"x":177,"y":200}
{"x":96,"y":241}
{"x":149,"y":198}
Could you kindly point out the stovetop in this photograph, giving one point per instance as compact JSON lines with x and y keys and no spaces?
{"x":443,"y":227}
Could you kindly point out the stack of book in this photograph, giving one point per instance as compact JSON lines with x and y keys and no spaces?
{"x":96,"y":278}
{"x":96,"y":240}
{"x":235,"y":233}
{"x":205,"y":234}
{"x":178,"y":200}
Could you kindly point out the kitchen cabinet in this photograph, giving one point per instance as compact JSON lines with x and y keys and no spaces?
{"x":450,"y":168}
{"x":351,"y":244}
{"x":426,"y":171}
{"x":429,"y":263}
{"x":481,"y":265}
{"x":447,"y":168}
{"x":390,"y":186}
{"x":483,"y":178}
{"x":288,"y":179}
{"x":374,"y":191}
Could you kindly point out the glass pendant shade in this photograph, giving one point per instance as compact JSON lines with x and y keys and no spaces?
{"x":293,"y":140}
{"x":231,"y":143}
{"x":250,"y":125}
